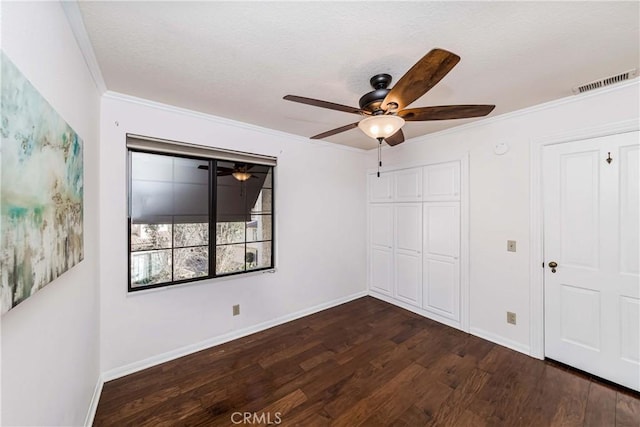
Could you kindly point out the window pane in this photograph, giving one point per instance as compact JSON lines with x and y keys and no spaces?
{"x":259,"y":228}
{"x":231,"y":194}
{"x":230,"y":232}
{"x":191,"y":234}
{"x":258,"y":255}
{"x":169,"y":207}
{"x":263,"y":202}
{"x":150,"y":267}
{"x":230,"y":259}
{"x":165,"y":187}
{"x":150,"y":236}
{"x":268,"y":182}
{"x":189,"y":263}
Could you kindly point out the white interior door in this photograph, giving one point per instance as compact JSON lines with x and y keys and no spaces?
{"x":591,"y":231}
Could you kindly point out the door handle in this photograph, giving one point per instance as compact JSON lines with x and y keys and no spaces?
{"x":553,"y":266}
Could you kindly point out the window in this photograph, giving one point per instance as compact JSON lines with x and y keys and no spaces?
{"x":194,"y":218}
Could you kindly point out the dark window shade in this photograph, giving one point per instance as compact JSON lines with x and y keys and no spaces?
{"x":168,"y":189}
{"x":156,"y":145}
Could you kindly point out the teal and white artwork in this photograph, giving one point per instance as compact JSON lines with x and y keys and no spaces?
{"x":41,"y":186}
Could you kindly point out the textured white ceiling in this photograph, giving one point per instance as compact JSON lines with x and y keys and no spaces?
{"x":238,"y":59}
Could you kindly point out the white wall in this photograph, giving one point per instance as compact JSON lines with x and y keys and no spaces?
{"x":499,"y":197}
{"x":50,"y":342}
{"x":320,"y":237}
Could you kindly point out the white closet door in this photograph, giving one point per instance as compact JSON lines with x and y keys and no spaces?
{"x":591,"y":230}
{"x":381,"y":270}
{"x":408,"y":185}
{"x":381,"y":248}
{"x":442,"y":259}
{"x":441,"y":182}
{"x":381,"y":187}
{"x":381,"y":225}
{"x":408,"y":253}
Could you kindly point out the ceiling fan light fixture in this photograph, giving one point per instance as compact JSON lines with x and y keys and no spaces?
{"x":381,"y":126}
{"x":241,"y":176}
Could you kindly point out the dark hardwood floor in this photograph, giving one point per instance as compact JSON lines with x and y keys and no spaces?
{"x":363,"y":363}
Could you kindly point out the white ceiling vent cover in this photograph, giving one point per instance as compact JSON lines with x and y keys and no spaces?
{"x":627,"y":75}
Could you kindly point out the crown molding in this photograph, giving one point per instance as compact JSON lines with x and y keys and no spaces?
{"x":74,"y":17}
{"x":528,"y":110}
{"x":224,"y":121}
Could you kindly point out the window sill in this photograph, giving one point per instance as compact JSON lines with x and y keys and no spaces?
{"x":200,"y":282}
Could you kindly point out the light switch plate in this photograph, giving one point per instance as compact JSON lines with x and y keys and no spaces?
{"x":511,"y":245}
{"x":511,"y":318}
{"x":236,"y":309}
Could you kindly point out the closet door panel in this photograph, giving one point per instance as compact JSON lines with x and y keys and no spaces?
{"x":408,"y":275}
{"x":441,"y":268}
{"x":381,"y":187}
{"x":381,"y":270}
{"x":381,"y":225}
{"x":441,"y":182}
{"x":408,"y":185}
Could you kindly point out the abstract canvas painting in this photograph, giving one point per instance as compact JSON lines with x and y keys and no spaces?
{"x":41,"y":190}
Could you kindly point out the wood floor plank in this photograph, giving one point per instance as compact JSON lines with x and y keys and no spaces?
{"x":460,"y":398}
{"x":317,"y":359}
{"x":367,"y":363}
{"x":601,"y":406}
{"x":391,"y":409}
{"x":627,"y":410}
{"x":504,"y":397}
{"x":360,"y":412}
{"x":427,"y":405}
{"x":370,"y":378}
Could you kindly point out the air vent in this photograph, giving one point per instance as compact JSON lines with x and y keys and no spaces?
{"x":627,"y":75}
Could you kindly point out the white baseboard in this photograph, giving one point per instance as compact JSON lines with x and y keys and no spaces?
{"x":130,"y":368}
{"x":93,"y":406}
{"x":417,"y":310}
{"x":481,"y":333}
{"x":505,"y":342}
{"x":122,"y":371}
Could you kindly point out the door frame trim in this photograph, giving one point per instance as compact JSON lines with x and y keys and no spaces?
{"x":536,"y":226}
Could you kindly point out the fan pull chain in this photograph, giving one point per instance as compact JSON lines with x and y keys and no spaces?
{"x":379,"y":155}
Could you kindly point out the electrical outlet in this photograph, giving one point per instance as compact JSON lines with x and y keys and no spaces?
{"x":511,"y":318}
{"x":236,"y":309}
{"x":511,"y":245}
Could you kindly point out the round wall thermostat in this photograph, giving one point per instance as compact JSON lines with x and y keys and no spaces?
{"x":501,"y":148}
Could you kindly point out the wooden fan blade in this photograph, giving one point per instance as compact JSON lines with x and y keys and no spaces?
{"x":335,"y":131}
{"x":421,"y":78}
{"x":396,"y":138}
{"x":445,"y":112}
{"x":325,"y":104}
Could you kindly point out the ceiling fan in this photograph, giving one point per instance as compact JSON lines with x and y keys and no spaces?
{"x":385,"y":109}
{"x":240,"y":171}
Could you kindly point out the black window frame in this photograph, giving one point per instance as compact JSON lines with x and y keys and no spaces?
{"x":212,"y":243}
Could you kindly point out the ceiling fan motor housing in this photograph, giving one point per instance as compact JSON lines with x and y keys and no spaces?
{"x":371,"y":101}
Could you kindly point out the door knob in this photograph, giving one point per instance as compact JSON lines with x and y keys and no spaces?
{"x":553,"y":266}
